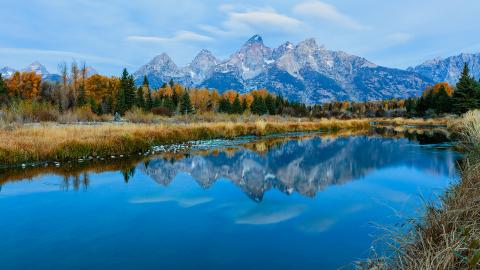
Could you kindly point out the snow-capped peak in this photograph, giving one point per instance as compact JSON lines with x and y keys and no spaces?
{"x":255,"y":39}
{"x":38,"y":68}
{"x":7,"y":72}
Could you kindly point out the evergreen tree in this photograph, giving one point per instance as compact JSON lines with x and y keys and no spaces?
{"x":258,"y":106}
{"x":120,"y":105}
{"x":175,"y":98}
{"x":157,"y":101}
{"x":465,"y":96}
{"x":171,"y":83}
{"x":149,"y":102}
{"x":3,"y":91}
{"x":410,"y":106}
{"x":168,"y":104}
{"x":236,"y":106}
{"x":145,"y":82}
{"x":224,"y":106}
{"x":126,"y":92}
{"x":442,"y":101}
{"x":140,"y":100}
{"x":270,"y":103}
{"x":185,"y":104}
{"x":94,"y":106}
{"x":244,"y":105}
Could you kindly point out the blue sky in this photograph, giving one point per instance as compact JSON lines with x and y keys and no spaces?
{"x":110,"y":35}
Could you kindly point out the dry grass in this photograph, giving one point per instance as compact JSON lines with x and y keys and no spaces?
{"x":448,"y":236}
{"x":48,"y":142}
{"x":57,"y":142}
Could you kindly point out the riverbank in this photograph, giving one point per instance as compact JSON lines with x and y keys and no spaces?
{"x":56,"y":142}
{"x":448,"y":236}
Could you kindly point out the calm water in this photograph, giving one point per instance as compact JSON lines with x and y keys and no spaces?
{"x":308,"y":202}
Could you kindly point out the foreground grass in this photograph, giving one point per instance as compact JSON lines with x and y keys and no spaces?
{"x":448,"y":236}
{"x":53,"y":142}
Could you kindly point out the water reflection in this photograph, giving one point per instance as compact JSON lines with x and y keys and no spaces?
{"x":304,"y":163}
{"x":306,"y":166}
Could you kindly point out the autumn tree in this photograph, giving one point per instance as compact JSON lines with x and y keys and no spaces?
{"x":25,"y":85}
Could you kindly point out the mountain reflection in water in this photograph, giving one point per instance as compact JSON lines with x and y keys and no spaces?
{"x":303,"y":164}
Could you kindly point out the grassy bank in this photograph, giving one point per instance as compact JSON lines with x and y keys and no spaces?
{"x":54,"y":142}
{"x":448,"y":236}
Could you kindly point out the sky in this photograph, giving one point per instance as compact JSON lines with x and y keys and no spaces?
{"x":110,"y":35}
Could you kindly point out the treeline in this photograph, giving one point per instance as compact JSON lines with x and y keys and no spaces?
{"x":437,"y":100}
{"x":110,"y":95}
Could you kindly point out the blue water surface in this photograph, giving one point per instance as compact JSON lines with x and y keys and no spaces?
{"x":302,"y":203}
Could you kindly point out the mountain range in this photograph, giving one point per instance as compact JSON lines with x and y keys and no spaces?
{"x":449,"y":69}
{"x":303,"y":72}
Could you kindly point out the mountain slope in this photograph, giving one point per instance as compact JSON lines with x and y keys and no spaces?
{"x":449,"y":69}
{"x":304,"y":72}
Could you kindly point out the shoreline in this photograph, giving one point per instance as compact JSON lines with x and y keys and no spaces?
{"x":447,"y":236}
{"x":53,"y":142}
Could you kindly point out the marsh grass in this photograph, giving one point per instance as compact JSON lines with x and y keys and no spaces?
{"x":56,"y":142}
{"x":448,"y":235}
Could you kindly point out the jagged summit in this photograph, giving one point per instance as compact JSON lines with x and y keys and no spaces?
{"x":255,"y":39}
{"x":304,"y":72}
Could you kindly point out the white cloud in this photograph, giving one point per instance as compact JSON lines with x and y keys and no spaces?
{"x":253,"y":21}
{"x":328,"y":12}
{"x":179,"y":36}
{"x":58,"y":54}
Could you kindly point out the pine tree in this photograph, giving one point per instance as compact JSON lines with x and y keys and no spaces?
{"x":126,"y":93}
{"x":171,"y":83}
{"x":442,"y":101}
{"x":258,"y":106}
{"x":140,"y":99}
{"x":224,"y":106}
{"x":270,"y":103}
{"x":185,"y":104}
{"x":236,"y":106}
{"x":465,"y":96}
{"x":3,"y":91}
{"x":244,"y":105}
{"x":168,"y":104}
{"x":149,"y":102}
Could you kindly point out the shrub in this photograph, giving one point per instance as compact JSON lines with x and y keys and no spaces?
{"x":137,"y":115}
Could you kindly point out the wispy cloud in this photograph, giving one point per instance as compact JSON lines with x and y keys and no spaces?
{"x":179,"y":36}
{"x":62,"y":55}
{"x":318,"y":9}
{"x":270,"y":214}
{"x":251,"y":21}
